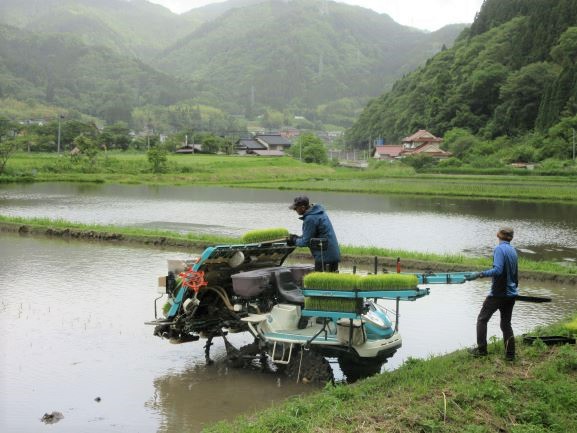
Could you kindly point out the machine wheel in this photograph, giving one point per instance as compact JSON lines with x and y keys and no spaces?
{"x":359,"y":369}
{"x":312,"y":365}
{"x":244,"y":356}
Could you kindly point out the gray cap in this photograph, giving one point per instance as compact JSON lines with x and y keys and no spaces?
{"x":506,"y":233}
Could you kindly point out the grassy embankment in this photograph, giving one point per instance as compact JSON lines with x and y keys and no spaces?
{"x":454,"y":393}
{"x":351,"y":254}
{"x":287,"y":173}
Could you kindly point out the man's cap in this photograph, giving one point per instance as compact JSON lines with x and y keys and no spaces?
{"x":302,"y":200}
{"x":506,"y":233}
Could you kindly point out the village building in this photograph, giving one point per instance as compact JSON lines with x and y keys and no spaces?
{"x":263,"y":145}
{"x":421,"y":142}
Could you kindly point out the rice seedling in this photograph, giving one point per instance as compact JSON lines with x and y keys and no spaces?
{"x":387,"y":282}
{"x":263,"y":235}
{"x":330,"y":281}
{"x":343,"y":305}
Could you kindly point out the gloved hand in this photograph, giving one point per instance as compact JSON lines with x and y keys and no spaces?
{"x":473,"y":276}
{"x":291,"y":240}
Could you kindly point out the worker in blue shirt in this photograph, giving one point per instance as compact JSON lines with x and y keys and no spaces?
{"x":318,"y":234}
{"x":505,"y":280}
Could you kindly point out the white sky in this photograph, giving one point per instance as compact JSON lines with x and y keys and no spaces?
{"x":423,"y":14}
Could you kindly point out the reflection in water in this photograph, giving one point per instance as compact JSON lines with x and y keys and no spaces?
{"x":199,"y":395}
{"x":72,"y":316}
{"x":543,"y":231}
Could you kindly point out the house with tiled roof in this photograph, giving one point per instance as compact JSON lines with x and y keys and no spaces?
{"x":419,"y":138}
{"x":263,"y":145}
{"x":423,"y":142}
{"x":273,"y":141}
{"x":388,"y":152}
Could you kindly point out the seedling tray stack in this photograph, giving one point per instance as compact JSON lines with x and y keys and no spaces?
{"x":341,"y":295}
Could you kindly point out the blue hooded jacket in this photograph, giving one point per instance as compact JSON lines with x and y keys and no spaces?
{"x":316,"y":224}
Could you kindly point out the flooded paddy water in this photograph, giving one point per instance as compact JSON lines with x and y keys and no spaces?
{"x":73,"y":340}
{"x":437,"y":225}
{"x":72,"y":313}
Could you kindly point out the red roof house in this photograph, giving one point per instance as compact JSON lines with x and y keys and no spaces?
{"x":387,"y":151}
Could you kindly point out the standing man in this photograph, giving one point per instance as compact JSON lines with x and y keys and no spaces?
{"x":318,"y":234}
{"x":505,"y":277}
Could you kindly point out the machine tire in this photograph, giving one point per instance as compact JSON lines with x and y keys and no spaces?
{"x":238,"y":360}
{"x":359,"y":369}
{"x":313,"y":368}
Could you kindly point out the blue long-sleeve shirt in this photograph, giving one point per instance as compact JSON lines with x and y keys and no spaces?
{"x":504,"y":272}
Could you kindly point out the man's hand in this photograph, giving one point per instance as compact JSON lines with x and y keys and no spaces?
{"x":291,"y":240}
{"x":473,"y":276}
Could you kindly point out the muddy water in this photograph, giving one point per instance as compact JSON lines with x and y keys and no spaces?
{"x":543,"y":230}
{"x":71,"y":320}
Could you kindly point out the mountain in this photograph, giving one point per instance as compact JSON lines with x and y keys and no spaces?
{"x":300,"y":53}
{"x":513,"y":72}
{"x":60,"y":70}
{"x":134,"y":28}
{"x":315,"y":58}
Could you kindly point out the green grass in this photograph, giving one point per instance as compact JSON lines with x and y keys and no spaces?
{"x":454,"y":393}
{"x":288,"y":173}
{"x":263,"y":235}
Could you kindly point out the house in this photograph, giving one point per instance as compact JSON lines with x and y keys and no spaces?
{"x":423,"y":142}
{"x":273,"y":141}
{"x":388,"y":152}
{"x":263,"y":144}
{"x":419,"y":138}
{"x":189,"y":148}
{"x":247,"y":146}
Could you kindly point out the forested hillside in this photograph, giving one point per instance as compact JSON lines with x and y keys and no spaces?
{"x":132,"y":28}
{"x":61,"y":71}
{"x":512,"y":74}
{"x":300,"y":53}
{"x":303,"y":63}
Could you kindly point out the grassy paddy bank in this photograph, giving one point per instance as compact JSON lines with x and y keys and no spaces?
{"x":288,"y":173}
{"x":454,"y":393}
{"x":362,"y":256}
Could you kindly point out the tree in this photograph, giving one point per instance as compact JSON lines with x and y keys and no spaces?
{"x":310,"y":149}
{"x":88,"y":148}
{"x":157,"y":158}
{"x":115,"y":136}
{"x":9,"y":143}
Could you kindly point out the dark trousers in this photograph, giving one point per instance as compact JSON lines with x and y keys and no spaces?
{"x":490,"y":306}
{"x":328,"y":267}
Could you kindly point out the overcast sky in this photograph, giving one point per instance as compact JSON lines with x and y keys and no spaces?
{"x":423,"y":14}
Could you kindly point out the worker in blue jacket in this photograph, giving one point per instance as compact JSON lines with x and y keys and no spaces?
{"x":318,"y":234}
{"x":505,"y":281}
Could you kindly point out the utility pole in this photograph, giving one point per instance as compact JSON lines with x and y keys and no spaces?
{"x":60,"y":116}
{"x":573,"y":145}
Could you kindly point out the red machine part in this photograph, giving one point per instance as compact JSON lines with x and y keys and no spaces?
{"x":193,"y":280}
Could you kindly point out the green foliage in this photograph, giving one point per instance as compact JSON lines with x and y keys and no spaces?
{"x":310,"y":149}
{"x":514,"y":73}
{"x":318,"y":57}
{"x":157,"y":158}
{"x":263,"y":235}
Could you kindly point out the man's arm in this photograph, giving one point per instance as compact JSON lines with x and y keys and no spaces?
{"x":309,"y":231}
{"x":498,"y":264}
